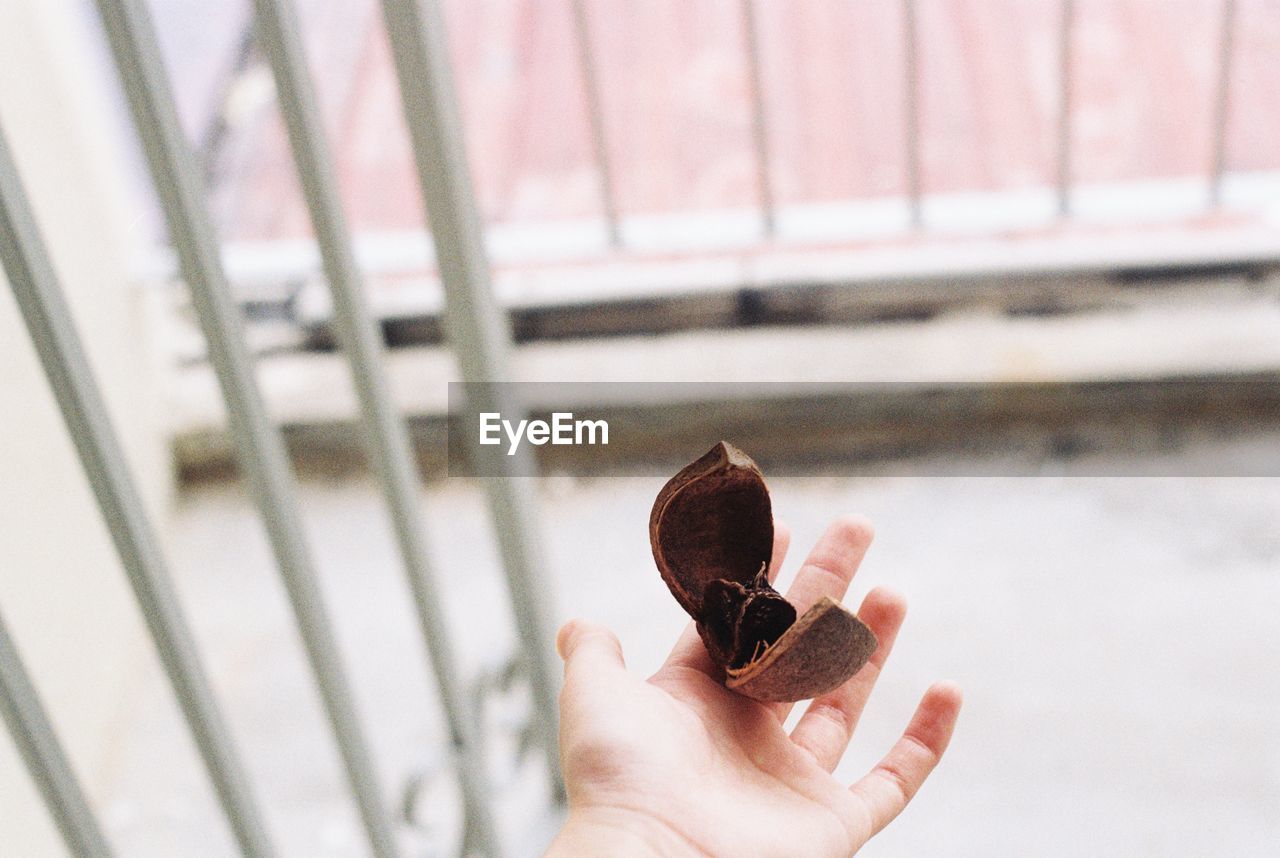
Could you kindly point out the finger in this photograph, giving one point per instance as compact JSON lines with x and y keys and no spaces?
{"x":828,"y":570}
{"x":781,"y":542}
{"x":588,"y":648}
{"x":887,"y":788}
{"x":689,"y":650}
{"x":832,"y":563}
{"x":594,"y":680}
{"x":827,"y":725}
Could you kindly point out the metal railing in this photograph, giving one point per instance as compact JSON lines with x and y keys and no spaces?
{"x":478,"y":332}
{"x":1215,"y":170}
{"x":39,"y":297}
{"x":911,"y":110}
{"x":1222,"y":100}
{"x":45,"y":759}
{"x":911,"y":133}
{"x":595,"y":118}
{"x":476,"y":329}
{"x":263,"y":265}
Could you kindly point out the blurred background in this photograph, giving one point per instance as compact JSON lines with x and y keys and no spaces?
{"x":1081,"y":194}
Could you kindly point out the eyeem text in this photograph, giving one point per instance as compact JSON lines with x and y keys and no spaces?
{"x":562,"y":429}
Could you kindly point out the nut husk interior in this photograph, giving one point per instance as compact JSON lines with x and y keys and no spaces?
{"x":712,"y":521}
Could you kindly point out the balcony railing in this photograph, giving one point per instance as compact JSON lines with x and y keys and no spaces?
{"x":476,"y":325}
{"x":477,"y":330}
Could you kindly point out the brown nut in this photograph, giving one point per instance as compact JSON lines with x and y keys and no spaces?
{"x":711,"y":531}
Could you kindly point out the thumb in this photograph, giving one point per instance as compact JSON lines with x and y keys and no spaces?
{"x":588,"y":646}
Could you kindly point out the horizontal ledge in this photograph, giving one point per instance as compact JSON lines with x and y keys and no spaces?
{"x":1104,"y":215}
{"x":953,"y":431}
{"x":310,"y":395}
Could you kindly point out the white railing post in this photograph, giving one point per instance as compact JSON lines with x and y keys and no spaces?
{"x":259,"y":447}
{"x":477,"y":330}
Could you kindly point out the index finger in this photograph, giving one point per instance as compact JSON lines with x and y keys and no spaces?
{"x":828,"y":571}
{"x":832,"y":563}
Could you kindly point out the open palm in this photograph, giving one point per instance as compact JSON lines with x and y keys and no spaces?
{"x":678,"y":764}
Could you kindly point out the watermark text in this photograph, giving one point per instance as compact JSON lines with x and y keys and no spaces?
{"x":562,"y":429}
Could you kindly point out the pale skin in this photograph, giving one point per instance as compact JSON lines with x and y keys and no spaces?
{"x":679,"y":765}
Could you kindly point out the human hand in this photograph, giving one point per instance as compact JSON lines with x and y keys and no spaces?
{"x":680,"y":765}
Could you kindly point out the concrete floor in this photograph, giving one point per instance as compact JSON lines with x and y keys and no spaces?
{"x":1116,"y":638}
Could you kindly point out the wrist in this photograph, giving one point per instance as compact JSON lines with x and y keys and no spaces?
{"x":614,"y":831}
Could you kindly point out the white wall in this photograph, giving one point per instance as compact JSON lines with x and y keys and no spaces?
{"x":62,"y":591}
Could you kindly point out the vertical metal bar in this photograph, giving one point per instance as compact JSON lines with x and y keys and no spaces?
{"x":37,"y":742}
{"x":595,"y":117}
{"x":759,"y":119}
{"x":48,"y":321}
{"x":1222,"y":101}
{"x":475,"y":325}
{"x":1067,"y":25}
{"x":387,"y":437}
{"x":911,"y":109}
{"x":258,"y":445}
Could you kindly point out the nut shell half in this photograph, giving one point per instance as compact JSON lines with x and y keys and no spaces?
{"x":821,"y":650}
{"x":712,"y":521}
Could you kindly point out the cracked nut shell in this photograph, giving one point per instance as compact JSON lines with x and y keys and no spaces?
{"x":711,"y":531}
